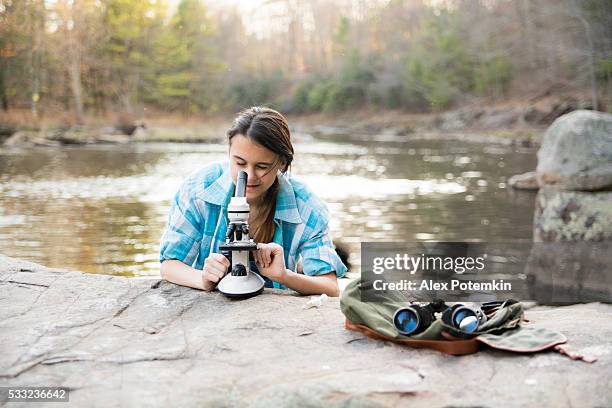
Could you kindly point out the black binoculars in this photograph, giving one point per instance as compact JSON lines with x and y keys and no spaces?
{"x":415,"y":318}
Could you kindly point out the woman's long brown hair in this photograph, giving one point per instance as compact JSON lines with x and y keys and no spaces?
{"x":268,"y":128}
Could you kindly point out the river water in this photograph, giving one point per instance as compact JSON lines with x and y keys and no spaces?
{"x":102,"y":208}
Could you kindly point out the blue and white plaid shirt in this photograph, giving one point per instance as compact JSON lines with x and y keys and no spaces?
{"x":198,"y":221}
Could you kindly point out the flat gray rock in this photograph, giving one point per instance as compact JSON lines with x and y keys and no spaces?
{"x":525,"y":181}
{"x":116,"y":341}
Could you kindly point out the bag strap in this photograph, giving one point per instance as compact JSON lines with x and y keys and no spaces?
{"x":455,"y":347}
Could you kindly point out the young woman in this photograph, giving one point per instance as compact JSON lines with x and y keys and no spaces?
{"x":289,"y":223}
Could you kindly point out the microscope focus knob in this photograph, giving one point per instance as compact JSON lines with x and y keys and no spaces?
{"x":239,"y":270}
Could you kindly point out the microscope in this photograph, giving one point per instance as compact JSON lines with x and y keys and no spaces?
{"x":240,"y":282}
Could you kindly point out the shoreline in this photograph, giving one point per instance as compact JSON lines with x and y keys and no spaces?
{"x":511,"y":122}
{"x":388,"y":132}
{"x":518,"y":122}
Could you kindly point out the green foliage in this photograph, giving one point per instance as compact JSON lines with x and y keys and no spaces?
{"x":254,"y":90}
{"x":131,"y":26}
{"x":438,"y":67}
{"x":603,"y":68}
{"x":184,"y":64}
{"x":341,"y":36}
{"x":387,"y":91}
{"x":494,"y":74}
{"x":347,"y":89}
{"x":331,"y":95}
{"x":396,"y":54}
{"x":318,"y":95}
{"x":300,"y":96}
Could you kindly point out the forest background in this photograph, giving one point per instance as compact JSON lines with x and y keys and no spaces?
{"x":77,"y":60}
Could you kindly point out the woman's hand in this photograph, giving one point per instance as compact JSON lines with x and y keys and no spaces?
{"x":270,"y":260}
{"x":215,"y":267}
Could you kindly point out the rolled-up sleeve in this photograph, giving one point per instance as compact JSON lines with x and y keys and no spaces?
{"x":182,"y":237}
{"x":319,"y":255}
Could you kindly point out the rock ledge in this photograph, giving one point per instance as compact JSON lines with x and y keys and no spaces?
{"x":116,"y":341}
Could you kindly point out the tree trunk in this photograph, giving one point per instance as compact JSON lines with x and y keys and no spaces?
{"x":3,"y":96}
{"x":74,"y":69}
{"x":74,"y":72}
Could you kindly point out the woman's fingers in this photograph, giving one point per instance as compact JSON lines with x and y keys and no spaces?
{"x":217,"y":270}
{"x":260,"y":255}
{"x":211,"y":264}
{"x":266,"y":253}
{"x":220,"y":259}
{"x":276,"y":249}
{"x":211,"y":277}
{"x":215,"y":267}
{"x":257,"y":258}
{"x":267,"y":256}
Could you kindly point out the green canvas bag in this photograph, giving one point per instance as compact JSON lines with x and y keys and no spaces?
{"x":503,"y":329}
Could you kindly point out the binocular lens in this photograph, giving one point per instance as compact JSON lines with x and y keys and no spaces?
{"x":465,"y":319}
{"x":406,"y":320}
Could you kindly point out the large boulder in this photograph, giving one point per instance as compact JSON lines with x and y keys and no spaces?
{"x":572,"y":216}
{"x":576,"y":152}
{"x":570,"y":272}
{"x":571,"y":257}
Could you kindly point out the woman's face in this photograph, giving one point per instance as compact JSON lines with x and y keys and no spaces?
{"x":259,"y":163}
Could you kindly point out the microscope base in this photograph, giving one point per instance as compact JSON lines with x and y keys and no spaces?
{"x":241,"y":287}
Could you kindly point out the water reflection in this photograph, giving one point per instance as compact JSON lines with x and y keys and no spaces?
{"x":102,"y":209}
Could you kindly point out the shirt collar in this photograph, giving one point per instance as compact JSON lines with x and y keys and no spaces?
{"x":221,"y":191}
{"x":286,"y":206}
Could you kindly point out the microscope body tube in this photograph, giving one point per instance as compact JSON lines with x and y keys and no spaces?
{"x":241,"y":184}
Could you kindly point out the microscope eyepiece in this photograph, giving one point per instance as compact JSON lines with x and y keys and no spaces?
{"x":241,"y":184}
